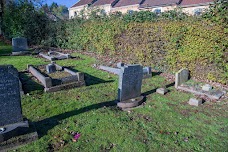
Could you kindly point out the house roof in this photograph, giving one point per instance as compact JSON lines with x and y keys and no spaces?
{"x":82,"y":2}
{"x":103,"y":2}
{"x":122,"y":3}
{"x":195,"y":2}
{"x":154,"y":3}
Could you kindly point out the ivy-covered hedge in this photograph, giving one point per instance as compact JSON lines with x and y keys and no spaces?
{"x":169,"y":45}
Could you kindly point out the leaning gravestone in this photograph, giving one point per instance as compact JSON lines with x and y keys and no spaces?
{"x":11,"y":119}
{"x":129,"y":88}
{"x":20,"y":46}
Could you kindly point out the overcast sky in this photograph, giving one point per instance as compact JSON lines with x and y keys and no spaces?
{"x":68,"y":3}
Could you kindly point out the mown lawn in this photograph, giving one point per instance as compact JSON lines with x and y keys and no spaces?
{"x":164,"y":123}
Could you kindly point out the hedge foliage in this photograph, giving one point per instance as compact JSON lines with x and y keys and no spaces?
{"x":168,"y":41}
{"x":198,"y":45}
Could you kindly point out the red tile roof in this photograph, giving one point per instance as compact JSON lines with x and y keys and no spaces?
{"x":153,"y":3}
{"x":103,"y":2}
{"x":121,"y":3}
{"x":82,"y":2}
{"x":195,"y":2}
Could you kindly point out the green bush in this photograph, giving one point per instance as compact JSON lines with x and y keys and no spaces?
{"x":94,"y":35}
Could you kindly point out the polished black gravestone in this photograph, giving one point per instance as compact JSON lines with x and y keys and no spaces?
{"x":11,"y":119}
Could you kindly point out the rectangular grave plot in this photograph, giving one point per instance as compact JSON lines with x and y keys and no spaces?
{"x":60,"y":79}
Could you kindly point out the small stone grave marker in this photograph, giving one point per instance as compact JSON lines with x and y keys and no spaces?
{"x":162,"y":91}
{"x":195,"y":101}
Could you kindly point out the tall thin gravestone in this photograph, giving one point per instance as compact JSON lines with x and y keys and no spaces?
{"x":130,"y":82}
{"x":11,"y":119}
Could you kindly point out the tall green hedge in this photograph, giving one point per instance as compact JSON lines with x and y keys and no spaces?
{"x":169,"y":45}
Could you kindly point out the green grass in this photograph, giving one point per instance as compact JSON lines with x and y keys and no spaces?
{"x":165,"y":123}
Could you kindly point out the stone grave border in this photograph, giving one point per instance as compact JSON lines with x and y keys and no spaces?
{"x":48,"y":57}
{"x":47,"y":81}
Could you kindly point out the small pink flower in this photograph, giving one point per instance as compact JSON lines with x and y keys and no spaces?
{"x":76,"y":136}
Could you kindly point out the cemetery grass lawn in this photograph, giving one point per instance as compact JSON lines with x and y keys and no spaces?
{"x":165,"y":123}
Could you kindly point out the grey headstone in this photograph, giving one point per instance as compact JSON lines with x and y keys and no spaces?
{"x":19,"y":44}
{"x":10,"y":100}
{"x":50,"y":68}
{"x":181,"y":77}
{"x":130,"y":82}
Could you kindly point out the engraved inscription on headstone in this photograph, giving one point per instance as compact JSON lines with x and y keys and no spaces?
{"x":130,"y":82}
{"x":10,"y":109}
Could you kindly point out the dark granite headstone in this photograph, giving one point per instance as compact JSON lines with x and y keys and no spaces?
{"x":19,"y":44}
{"x":10,"y":109}
{"x":130,"y":82}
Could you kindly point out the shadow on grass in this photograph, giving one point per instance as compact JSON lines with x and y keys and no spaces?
{"x":156,"y":73}
{"x":28,"y":84}
{"x":44,"y":125}
{"x":89,"y":79}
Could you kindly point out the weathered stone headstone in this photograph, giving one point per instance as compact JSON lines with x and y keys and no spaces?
{"x":181,"y":77}
{"x":20,"y":46}
{"x":10,"y":109}
{"x":129,"y":88}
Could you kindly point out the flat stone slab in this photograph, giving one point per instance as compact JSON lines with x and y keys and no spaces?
{"x":162,"y":91}
{"x":195,"y":102}
{"x":213,"y":94}
{"x":130,"y":103}
{"x":54,"y":55}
